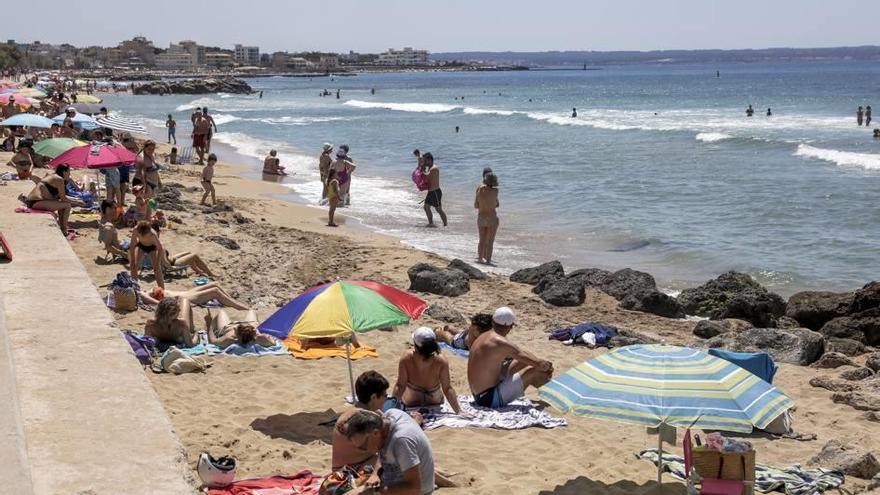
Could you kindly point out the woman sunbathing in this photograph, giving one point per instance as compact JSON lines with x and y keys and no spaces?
{"x":423,"y":375}
{"x":196,"y":295}
{"x":223,"y":332}
{"x":185,"y":258}
{"x":172,"y":322}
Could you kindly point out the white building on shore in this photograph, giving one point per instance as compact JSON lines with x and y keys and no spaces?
{"x":176,"y":58}
{"x":247,"y":55}
{"x":407,"y":57}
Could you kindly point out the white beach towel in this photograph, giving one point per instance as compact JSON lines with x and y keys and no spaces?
{"x":517,"y":415}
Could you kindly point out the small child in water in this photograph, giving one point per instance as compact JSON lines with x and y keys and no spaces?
{"x":207,"y":176}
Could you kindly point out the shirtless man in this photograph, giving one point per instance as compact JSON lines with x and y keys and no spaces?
{"x":463,"y":340}
{"x":435,"y":194}
{"x":212,"y":128}
{"x":200,"y":135}
{"x":498,"y":370}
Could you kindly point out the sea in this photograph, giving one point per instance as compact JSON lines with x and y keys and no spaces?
{"x":660,"y":170}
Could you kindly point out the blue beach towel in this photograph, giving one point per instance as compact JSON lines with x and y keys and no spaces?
{"x":759,"y":364}
{"x":603,"y":333}
{"x":237,"y":350}
{"x":453,"y":350}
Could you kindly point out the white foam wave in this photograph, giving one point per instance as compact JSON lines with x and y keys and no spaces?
{"x":564,"y":119}
{"x":404,"y":107}
{"x":484,"y":111}
{"x":868,"y":161}
{"x":712,"y":137}
{"x":222,"y":118}
{"x":288,"y":120}
{"x":200,"y":102}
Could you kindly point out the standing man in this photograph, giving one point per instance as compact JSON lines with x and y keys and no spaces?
{"x":859,"y":115}
{"x":125,"y":170}
{"x":404,"y":450}
{"x":498,"y":370}
{"x":868,"y":116}
{"x":434,"y":199}
{"x":200,"y":135}
{"x":324,"y":163}
{"x":212,"y":128}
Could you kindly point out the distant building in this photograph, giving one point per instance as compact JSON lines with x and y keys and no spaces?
{"x":298,"y":63}
{"x":287,"y":61}
{"x":183,"y":61}
{"x":328,"y":62}
{"x":407,"y":57}
{"x":195,"y":50}
{"x":247,"y":55}
{"x":219,"y":60}
{"x":137,"y":51}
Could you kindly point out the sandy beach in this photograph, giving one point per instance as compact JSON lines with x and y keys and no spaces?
{"x":268,"y":412}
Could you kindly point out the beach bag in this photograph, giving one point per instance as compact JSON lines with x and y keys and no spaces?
{"x":125,"y":299}
{"x":144,"y":347}
{"x":344,"y":480}
{"x":178,"y":362}
{"x":420,"y":179}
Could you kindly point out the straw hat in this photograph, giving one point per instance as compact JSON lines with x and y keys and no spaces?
{"x":328,"y":147}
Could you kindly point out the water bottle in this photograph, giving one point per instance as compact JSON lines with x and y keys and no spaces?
{"x":203,"y":337}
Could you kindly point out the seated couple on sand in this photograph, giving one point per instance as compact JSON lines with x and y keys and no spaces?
{"x":498,"y":370}
{"x":172,"y":321}
{"x":464,"y":339}
{"x":390,"y":446}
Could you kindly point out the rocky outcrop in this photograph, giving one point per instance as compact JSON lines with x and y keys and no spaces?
{"x":868,"y":297}
{"x":654,"y":302}
{"x":564,"y":292}
{"x":193,"y":87}
{"x":814,"y":309}
{"x":865,"y":395}
{"x":861,"y":327}
{"x":636,"y":291}
{"x":857,"y":374}
{"x":224,"y":241}
{"x":428,"y":278}
{"x":848,"y":347}
{"x":445,"y":313}
{"x":833,"y":360}
{"x":873,"y":362}
{"x":796,"y":346}
{"x":472,"y":272}
{"x":534,"y":275}
{"x":832,"y":384}
{"x":849,"y":460}
{"x":626,"y":282}
{"x":733,"y":295}
{"x":590,"y":277}
{"x":712,"y":328}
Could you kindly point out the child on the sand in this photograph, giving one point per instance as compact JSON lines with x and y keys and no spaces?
{"x":207,"y":175}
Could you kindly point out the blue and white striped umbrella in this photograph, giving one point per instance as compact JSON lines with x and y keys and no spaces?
{"x":79,"y":120}
{"x":27,"y":120}
{"x":120,"y":124}
{"x":656,"y":384}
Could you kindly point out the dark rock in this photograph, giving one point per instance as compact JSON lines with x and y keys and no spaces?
{"x":169,"y":199}
{"x":858,"y":399}
{"x":832,"y":384}
{"x":175,"y":219}
{"x":221,"y":208}
{"x":174,"y":185}
{"x":761,"y":309}
{"x":623,"y":341}
{"x":533,"y":275}
{"x":873,"y":416}
{"x":873,"y":361}
{"x":868,"y":297}
{"x":241,"y":219}
{"x":857,"y":374}
{"x":654,"y":302}
{"x":193,"y":87}
{"x":832,"y":360}
{"x":796,"y":346}
{"x":850,"y":460}
{"x":445,"y":313}
{"x":224,"y":241}
{"x":861,"y":327}
{"x":546,"y":282}
{"x":814,"y":309}
{"x":428,"y":278}
{"x":590,"y":277}
{"x":711,"y":328}
{"x":848,"y":347}
{"x":623,"y":283}
{"x":564,"y":292}
{"x":472,"y":272}
{"x":787,"y":322}
{"x":733,"y":295}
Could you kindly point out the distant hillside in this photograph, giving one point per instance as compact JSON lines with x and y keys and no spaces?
{"x":538,"y":59}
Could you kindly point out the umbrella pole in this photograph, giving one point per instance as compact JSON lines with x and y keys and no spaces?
{"x":659,"y":458}
{"x":350,"y":372}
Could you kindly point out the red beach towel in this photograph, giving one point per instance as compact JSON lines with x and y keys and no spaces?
{"x":301,"y":483}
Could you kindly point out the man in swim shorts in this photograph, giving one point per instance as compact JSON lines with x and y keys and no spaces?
{"x":463,"y":340}
{"x":434,"y":199}
{"x":498,"y":370}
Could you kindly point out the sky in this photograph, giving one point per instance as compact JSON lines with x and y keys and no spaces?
{"x":461,"y":25}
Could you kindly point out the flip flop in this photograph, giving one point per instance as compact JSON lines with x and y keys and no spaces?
{"x":201,"y":280}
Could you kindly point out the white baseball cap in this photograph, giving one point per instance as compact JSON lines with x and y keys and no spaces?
{"x":423,"y":335}
{"x":504,"y":316}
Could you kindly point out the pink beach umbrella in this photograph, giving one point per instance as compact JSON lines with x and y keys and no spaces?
{"x":95,"y":156}
{"x":20,"y":100}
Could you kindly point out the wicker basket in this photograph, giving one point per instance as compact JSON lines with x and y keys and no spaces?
{"x":712,"y":464}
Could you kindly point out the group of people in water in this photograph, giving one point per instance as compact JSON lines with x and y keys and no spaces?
{"x":751,"y":111}
{"x":382,"y":430}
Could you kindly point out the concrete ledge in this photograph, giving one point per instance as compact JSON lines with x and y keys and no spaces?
{"x":13,"y":454}
{"x":92,"y":422}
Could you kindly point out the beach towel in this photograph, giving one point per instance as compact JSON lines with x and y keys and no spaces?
{"x":318,"y":351}
{"x":517,"y":415}
{"x":576,"y":333}
{"x":759,"y":364}
{"x":237,"y":350}
{"x":22,"y":209}
{"x":301,"y":483}
{"x":793,"y":480}
{"x":458,"y":352}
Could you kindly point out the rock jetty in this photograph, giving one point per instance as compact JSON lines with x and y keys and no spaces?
{"x":193,"y":87}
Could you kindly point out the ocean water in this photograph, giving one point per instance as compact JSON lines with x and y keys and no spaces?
{"x":660,"y":171}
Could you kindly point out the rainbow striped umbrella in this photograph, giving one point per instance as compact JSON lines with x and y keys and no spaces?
{"x":339,"y":309}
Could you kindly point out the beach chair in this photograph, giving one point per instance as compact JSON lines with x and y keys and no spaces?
{"x":185,"y":157}
{"x":709,"y":486}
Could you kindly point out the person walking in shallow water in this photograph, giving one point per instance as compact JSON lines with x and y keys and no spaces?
{"x":486,"y":203}
{"x":574,"y":113}
{"x":860,"y":114}
{"x":434,"y":199}
{"x":868,"y":116}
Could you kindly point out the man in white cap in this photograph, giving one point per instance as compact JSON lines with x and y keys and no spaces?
{"x":498,"y":370}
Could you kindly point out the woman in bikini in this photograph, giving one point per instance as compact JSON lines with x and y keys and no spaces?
{"x":223,"y":332}
{"x":145,"y":242}
{"x":423,"y":374}
{"x":185,"y":258}
{"x":196,"y":295}
{"x":49,"y":195}
{"x":148,"y":170}
{"x":486,"y":202}
{"x":23,"y":161}
{"x":332,"y":196}
{"x":172,"y":322}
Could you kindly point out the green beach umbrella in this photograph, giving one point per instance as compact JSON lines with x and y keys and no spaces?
{"x":56,"y":146}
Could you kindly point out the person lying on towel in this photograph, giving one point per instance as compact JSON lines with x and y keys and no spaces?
{"x":223,"y":332}
{"x":464,"y":339}
{"x":498,"y":370}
